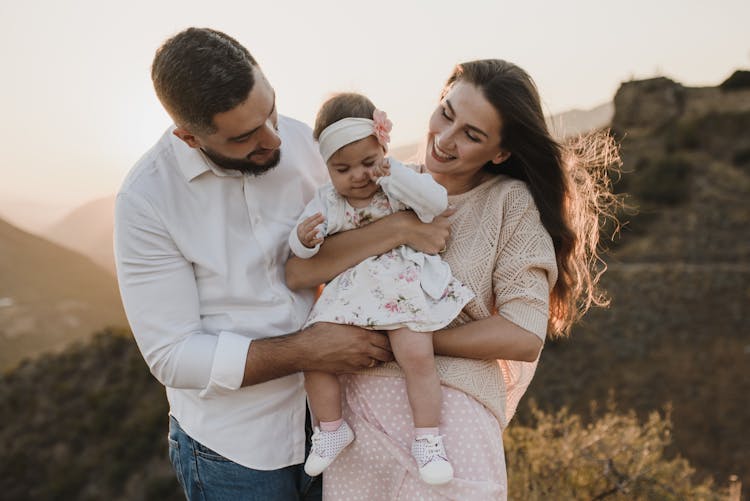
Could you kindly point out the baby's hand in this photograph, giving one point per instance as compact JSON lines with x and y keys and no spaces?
{"x":308,"y":233}
{"x":381,"y":170}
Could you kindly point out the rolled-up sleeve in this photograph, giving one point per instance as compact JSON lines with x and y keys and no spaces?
{"x":160,"y":296}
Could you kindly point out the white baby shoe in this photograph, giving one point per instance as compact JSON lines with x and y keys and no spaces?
{"x":326,"y":445}
{"x":434,"y":467}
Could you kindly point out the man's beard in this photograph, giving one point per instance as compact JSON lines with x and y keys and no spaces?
{"x":243,"y":165}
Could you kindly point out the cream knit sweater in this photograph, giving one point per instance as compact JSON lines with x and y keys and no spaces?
{"x":501,"y":251}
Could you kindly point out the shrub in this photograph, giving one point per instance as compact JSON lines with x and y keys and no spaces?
{"x":615,"y":457}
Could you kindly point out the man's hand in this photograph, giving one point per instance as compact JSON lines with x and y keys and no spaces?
{"x":343,"y":348}
{"x":308,"y":232}
{"x":430,"y":238}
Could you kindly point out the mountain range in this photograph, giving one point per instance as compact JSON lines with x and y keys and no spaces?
{"x":49,"y":296}
{"x":88,"y":230}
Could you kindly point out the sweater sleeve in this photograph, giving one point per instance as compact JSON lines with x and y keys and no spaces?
{"x":525,"y":269}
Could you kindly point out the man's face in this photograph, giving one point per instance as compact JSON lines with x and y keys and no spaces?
{"x":246,"y":137}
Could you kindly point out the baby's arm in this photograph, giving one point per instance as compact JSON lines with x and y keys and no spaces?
{"x":425,"y":196}
{"x":308,"y":232}
{"x":306,"y":237}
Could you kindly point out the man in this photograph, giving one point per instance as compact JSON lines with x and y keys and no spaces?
{"x":201,"y":228}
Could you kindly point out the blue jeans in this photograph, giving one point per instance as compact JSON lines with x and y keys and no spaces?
{"x":207,"y":476}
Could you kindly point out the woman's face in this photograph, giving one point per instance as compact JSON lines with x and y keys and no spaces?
{"x":464,"y":133}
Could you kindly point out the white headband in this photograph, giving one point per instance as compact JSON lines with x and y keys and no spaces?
{"x":339,"y":134}
{"x":351,"y":129}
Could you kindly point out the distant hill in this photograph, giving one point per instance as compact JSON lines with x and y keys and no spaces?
{"x":575,"y":122}
{"x":678,"y":329}
{"x":49,"y":296}
{"x":88,"y":230}
{"x":34,"y":216}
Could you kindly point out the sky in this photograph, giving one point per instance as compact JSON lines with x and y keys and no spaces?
{"x":79,"y":108}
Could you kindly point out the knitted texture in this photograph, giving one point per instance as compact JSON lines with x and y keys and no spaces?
{"x":500,"y":250}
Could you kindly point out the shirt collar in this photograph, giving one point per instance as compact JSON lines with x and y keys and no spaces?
{"x":192,"y":162}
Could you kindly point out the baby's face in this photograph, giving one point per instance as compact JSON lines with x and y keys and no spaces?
{"x":350,"y":169}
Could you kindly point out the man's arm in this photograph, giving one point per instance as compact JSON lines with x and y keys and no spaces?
{"x":342,"y":251}
{"x":161,"y":300}
{"x":322,"y":347}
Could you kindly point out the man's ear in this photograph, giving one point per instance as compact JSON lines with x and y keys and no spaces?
{"x":187,"y":136}
{"x":501,"y":157}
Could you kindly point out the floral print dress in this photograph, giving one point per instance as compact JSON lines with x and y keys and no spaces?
{"x":391,"y":290}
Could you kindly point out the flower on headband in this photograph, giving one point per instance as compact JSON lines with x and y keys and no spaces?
{"x":381,"y":127}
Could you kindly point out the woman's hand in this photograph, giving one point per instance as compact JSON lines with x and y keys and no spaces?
{"x":430,"y":238}
{"x":308,"y":232}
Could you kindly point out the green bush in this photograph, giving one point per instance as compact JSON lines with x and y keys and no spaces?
{"x":615,"y":457}
{"x":88,"y":423}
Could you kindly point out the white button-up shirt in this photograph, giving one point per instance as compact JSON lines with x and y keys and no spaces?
{"x":200,"y":257}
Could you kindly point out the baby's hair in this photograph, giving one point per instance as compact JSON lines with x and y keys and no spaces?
{"x":340,"y":106}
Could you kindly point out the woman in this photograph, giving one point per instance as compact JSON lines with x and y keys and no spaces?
{"x":524,"y":239}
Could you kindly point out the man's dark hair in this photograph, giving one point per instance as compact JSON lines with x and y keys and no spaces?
{"x":201,"y":72}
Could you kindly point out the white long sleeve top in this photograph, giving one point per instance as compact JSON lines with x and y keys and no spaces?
{"x":200,"y":255}
{"x":405,"y":188}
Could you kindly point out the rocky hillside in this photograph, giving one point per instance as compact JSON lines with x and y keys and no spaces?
{"x":49,"y":296}
{"x":677,"y":331}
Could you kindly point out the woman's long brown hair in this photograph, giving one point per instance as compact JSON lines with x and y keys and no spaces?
{"x":570,"y":183}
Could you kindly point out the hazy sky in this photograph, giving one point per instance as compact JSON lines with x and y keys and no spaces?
{"x":78,"y":107}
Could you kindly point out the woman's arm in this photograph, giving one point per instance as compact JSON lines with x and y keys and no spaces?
{"x":490,"y":338}
{"x":342,"y":251}
{"x":523,"y":275}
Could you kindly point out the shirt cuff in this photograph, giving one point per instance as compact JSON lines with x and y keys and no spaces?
{"x":228,"y":367}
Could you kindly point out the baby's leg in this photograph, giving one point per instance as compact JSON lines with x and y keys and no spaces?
{"x":324,"y":393}
{"x":414,"y":353}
